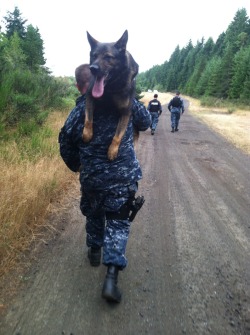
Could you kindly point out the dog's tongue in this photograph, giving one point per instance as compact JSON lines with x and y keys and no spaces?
{"x":98,"y":88}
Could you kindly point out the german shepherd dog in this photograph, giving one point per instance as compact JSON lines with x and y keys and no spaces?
{"x":113,"y":70}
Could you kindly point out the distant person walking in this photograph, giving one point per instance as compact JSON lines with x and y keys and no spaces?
{"x":176,"y":108}
{"x":155,"y":109}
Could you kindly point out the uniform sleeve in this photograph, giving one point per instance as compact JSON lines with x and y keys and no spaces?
{"x":68,"y":148}
{"x":141,"y":116}
{"x":160,"y":108}
{"x":149,"y":105}
{"x":169,"y":105}
{"x":182,"y":106}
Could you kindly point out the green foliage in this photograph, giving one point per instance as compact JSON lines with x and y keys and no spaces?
{"x":27,"y":89}
{"x":26,"y":128}
{"x":33,"y":48}
{"x":246,"y":89}
{"x":30,"y":140}
{"x":3,"y":134}
{"x":24,"y":105}
{"x":12,"y":54}
{"x":15,"y":23}
{"x":219,"y":70}
{"x":41,"y":117}
{"x":138,"y":91}
{"x":211,"y":101}
{"x":5,"y":89}
{"x":241,"y":73}
{"x":213,"y":68}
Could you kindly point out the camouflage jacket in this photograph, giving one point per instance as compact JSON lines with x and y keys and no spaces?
{"x":97,"y":172}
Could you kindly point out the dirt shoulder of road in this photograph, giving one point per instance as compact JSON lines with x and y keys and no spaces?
{"x":235,"y":127}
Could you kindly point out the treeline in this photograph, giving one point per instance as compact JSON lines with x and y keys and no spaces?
{"x":27,"y":88}
{"x":218,"y":69}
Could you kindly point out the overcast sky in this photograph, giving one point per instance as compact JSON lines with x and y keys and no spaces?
{"x":155,"y":29}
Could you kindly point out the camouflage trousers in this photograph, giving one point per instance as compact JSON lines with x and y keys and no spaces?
{"x":175,"y":118}
{"x":111,"y":235}
{"x":155,"y":119}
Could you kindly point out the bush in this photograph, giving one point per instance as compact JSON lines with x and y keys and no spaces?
{"x":211,"y":101}
{"x":22,"y":107}
{"x":26,"y":128}
{"x":41,"y":117}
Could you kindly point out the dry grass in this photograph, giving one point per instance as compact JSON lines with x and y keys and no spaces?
{"x":235,"y":127}
{"x":164,"y":98}
{"x":28,"y":188}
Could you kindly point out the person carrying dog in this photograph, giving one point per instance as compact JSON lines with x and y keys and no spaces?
{"x":108,"y":187}
{"x":176,"y":108}
{"x":82,"y":76}
{"x":155,"y":109}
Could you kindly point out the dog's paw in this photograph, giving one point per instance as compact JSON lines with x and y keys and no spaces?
{"x":112,"y":152}
{"x":87,"y":135}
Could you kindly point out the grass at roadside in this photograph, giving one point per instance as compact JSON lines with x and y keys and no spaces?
{"x":232,"y":123}
{"x":32,"y":178}
{"x":164,"y":98}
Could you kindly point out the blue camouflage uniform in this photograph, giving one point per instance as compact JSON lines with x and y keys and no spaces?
{"x":105,"y":185}
{"x":154,"y":106}
{"x":175,"y":112}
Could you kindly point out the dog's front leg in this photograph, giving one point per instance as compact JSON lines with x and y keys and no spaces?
{"x":120,"y":131}
{"x":88,"y":124}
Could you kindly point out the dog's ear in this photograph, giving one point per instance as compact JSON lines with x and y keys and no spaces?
{"x":93,"y":42}
{"x":122,"y":42}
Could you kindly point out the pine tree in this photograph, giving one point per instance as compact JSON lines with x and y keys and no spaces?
{"x":13,"y":56}
{"x":33,"y":48}
{"x":214,"y":77}
{"x":239,"y":25}
{"x":15,"y":23}
{"x":241,"y":61}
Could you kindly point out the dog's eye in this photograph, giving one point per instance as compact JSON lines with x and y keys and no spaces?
{"x":108,"y":57}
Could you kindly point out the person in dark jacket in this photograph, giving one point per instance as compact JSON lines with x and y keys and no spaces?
{"x":107,"y":187}
{"x":176,"y":108}
{"x":155,"y":109}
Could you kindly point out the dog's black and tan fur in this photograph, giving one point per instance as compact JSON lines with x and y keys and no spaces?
{"x":114,"y":70}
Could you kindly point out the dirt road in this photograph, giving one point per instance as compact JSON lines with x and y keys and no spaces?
{"x":188,"y":253}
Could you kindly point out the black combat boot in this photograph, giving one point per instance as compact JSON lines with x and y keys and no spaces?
{"x":110,"y":291}
{"x":94,"y":256}
{"x":172,"y":131}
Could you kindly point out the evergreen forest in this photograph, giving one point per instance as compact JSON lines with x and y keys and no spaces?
{"x":218,"y":69}
{"x":28,"y":90}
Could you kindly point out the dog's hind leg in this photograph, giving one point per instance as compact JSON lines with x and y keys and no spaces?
{"x":120,"y":131}
{"x":88,"y":124}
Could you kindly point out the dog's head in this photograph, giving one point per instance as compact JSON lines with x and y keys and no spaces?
{"x":108,"y":61}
